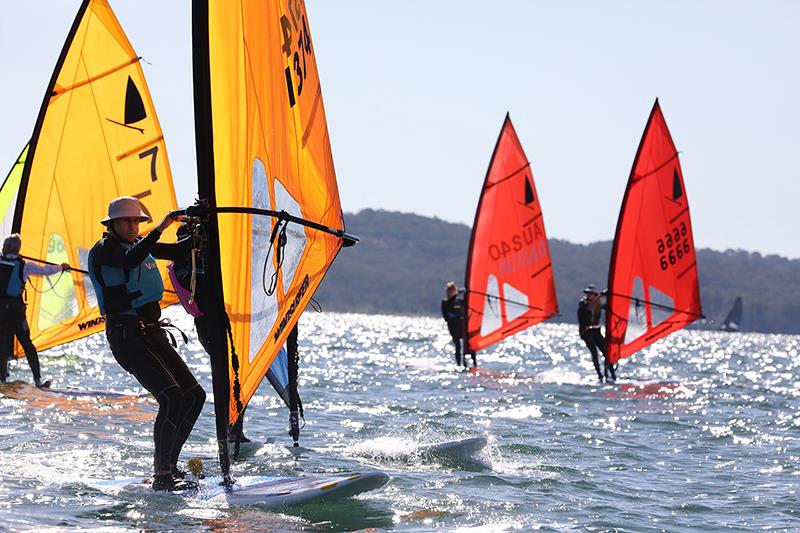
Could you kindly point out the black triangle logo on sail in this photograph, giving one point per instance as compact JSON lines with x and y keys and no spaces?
{"x":677,"y":190}
{"x":134,"y":106}
{"x":529,"y":198}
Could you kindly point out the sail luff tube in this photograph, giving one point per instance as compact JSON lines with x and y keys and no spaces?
{"x":653,"y":287}
{"x":509,"y":276}
{"x":96,"y":105}
{"x":204,"y":145}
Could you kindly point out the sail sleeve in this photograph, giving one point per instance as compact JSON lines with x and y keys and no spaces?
{"x":8,"y":193}
{"x":278,"y":376}
{"x":97,"y":137}
{"x":270,"y":149}
{"x":653,"y":283}
{"x":509,"y":277}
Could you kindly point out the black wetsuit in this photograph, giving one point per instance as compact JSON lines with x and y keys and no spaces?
{"x":589,"y":327}
{"x":453,"y":314}
{"x":140,"y":345}
{"x":13,"y":322}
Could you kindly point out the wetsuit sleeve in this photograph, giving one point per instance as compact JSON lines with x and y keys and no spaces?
{"x":444,"y":309}
{"x":119,"y":256}
{"x":173,"y":250}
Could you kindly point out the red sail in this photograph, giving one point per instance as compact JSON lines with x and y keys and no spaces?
{"x":509,"y":281}
{"x":652,"y":280}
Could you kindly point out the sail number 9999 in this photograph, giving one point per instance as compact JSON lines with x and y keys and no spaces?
{"x":673,"y":247}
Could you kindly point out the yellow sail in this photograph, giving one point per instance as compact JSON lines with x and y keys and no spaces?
{"x":97,"y":137}
{"x":268,"y":148}
{"x":8,"y":193}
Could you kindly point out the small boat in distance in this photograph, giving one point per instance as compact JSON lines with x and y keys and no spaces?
{"x":733,"y":322}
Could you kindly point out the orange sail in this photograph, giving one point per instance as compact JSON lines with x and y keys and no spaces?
{"x":652,"y":281}
{"x":97,"y":137}
{"x":266,"y":171}
{"x":509,"y":280}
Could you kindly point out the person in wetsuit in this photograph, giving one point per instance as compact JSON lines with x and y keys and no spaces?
{"x":14,"y":273}
{"x":129,"y":287}
{"x":454,"y":314}
{"x":589,"y":309}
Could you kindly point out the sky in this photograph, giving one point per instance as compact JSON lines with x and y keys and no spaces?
{"x":416,"y":91}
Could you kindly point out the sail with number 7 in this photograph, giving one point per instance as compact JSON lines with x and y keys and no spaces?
{"x":653,"y":287}
{"x":509,"y":278}
{"x":96,"y":137}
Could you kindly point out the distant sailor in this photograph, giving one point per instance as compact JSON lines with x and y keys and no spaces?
{"x":454,"y":313}
{"x":129,"y":288}
{"x":590,"y":308}
{"x":14,"y":273}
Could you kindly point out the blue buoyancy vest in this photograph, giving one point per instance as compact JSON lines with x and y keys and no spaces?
{"x":12,"y":280}
{"x":123,"y":290}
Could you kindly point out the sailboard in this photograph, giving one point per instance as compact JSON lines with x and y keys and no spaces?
{"x":266,"y":180}
{"x":733,"y":321}
{"x":267,"y":491}
{"x":653,"y":285}
{"x":459,"y":449}
{"x":509,"y":276}
{"x":96,"y":137}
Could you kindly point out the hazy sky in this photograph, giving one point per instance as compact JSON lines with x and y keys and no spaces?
{"x":416,"y":92}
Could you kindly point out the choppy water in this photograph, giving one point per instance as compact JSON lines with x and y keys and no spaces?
{"x":706,"y":437}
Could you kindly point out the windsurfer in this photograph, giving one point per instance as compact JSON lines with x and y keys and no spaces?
{"x":14,"y":273}
{"x":129,"y":288}
{"x":589,"y":309}
{"x":453,"y":312}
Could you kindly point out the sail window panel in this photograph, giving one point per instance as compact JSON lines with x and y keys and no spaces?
{"x":663,"y":308}
{"x":516,"y":302}
{"x":295,"y":234}
{"x":263,"y":306}
{"x":57,"y":302}
{"x":492,"y":314}
{"x":637,"y":312}
{"x":88,"y":288}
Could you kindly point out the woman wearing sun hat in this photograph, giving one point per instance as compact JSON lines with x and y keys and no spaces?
{"x":129,"y":287}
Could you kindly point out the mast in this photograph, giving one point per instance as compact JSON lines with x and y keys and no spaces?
{"x":204,"y":146}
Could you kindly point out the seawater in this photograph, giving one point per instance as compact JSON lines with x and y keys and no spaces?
{"x":702,"y":433}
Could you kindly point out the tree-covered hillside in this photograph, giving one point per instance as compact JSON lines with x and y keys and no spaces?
{"x":403,"y":262}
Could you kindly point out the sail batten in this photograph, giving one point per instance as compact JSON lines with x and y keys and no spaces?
{"x":653,"y":285}
{"x":509,"y":279}
{"x":72,"y":171}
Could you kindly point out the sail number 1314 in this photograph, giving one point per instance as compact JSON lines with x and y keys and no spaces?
{"x":296,"y":51}
{"x":673,"y":247}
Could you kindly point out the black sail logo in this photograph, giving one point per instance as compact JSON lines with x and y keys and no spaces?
{"x":134,"y":105}
{"x":529,"y":197}
{"x":677,"y":189}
